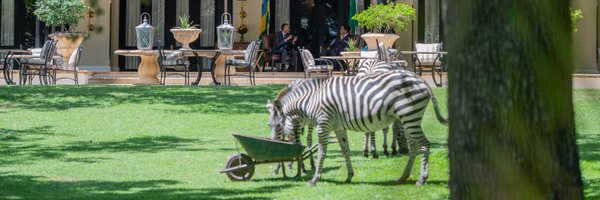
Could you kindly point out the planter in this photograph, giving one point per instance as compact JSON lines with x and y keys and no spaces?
{"x":186,"y":36}
{"x":67,"y":43}
{"x":372,"y":38}
{"x":350,"y":53}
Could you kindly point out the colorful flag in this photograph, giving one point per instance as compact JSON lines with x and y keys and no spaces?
{"x":352,"y":23}
{"x":264,"y":21}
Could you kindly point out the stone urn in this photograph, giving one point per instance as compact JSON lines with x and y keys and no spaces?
{"x":186,"y":36}
{"x":372,"y":38}
{"x":67,"y":43}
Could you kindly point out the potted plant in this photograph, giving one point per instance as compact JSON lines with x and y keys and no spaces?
{"x":351,"y":50}
{"x":187,"y":32}
{"x":382,"y":19}
{"x":64,"y":14}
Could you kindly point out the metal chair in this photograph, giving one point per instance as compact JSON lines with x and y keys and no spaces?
{"x":40,"y":66}
{"x":429,"y":60}
{"x":250,"y":57}
{"x":310,"y":64}
{"x":174,"y":62}
{"x":71,"y":66}
{"x":390,"y":56}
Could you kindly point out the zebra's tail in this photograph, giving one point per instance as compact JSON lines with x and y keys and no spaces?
{"x":438,"y":114}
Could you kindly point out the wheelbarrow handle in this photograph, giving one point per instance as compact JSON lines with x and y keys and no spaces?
{"x":235,"y":168}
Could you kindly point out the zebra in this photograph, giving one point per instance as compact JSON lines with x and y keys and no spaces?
{"x":363,"y":104}
{"x":371,"y":66}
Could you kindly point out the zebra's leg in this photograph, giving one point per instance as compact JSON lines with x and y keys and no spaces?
{"x":394,"y":139}
{"x":309,"y":144}
{"x":410,"y":163}
{"x":401,"y":139}
{"x":418,"y":144}
{"x":373,"y":145}
{"x":366,"y":147}
{"x":322,"y":147}
{"x":385,"y":143}
{"x":342,"y":137}
{"x":276,"y":171}
{"x":400,"y":135}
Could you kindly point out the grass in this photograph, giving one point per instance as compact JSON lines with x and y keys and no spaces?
{"x":124,"y":142}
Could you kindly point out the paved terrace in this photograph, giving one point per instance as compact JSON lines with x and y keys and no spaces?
{"x":262,"y":78}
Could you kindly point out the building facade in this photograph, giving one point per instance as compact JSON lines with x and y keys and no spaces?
{"x":315,"y":21}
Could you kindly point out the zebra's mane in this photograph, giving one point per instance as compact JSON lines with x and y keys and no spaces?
{"x":295,"y":86}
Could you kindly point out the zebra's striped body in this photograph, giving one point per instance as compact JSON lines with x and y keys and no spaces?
{"x":364,"y":104}
{"x":372,"y":66}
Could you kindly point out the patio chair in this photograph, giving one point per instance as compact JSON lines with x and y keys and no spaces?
{"x":390,"y":56}
{"x":250,"y":57}
{"x":175,"y":62}
{"x":431,"y":61}
{"x":310,"y":64}
{"x":39,"y":66}
{"x":71,"y":66}
{"x":7,"y":68}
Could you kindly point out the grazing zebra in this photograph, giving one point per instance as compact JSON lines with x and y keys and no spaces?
{"x":365,"y":104}
{"x":371,"y":66}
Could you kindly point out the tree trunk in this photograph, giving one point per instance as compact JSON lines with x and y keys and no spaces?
{"x":512,"y":129}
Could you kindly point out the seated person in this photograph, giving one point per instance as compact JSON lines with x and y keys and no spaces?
{"x":339,"y":43}
{"x":285,"y":44}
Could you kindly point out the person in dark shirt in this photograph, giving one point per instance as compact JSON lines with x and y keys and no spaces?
{"x":339,"y":43}
{"x":285,"y":44}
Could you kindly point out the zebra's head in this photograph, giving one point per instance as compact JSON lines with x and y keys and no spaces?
{"x":276,"y":119}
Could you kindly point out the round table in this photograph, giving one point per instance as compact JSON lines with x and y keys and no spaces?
{"x":148,"y":68}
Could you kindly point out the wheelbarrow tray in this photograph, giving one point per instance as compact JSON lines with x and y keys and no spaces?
{"x":267,"y":150}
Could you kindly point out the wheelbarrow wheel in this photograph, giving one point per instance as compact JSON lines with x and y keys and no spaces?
{"x":241,"y":174}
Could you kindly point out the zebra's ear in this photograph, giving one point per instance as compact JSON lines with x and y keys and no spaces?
{"x":277,"y":105}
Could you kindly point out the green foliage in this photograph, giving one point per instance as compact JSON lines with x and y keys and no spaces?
{"x":351,"y":46}
{"x":382,"y":18}
{"x":186,"y":23}
{"x":575,"y":15}
{"x":60,"y":12}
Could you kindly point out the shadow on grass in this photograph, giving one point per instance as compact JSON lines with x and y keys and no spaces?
{"x":589,"y":147}
{"x":34,"y":187}
{"x":210,"y":99}
{"x":591,"y":191}
{"x":20,"y":146}
{"x":18,"y":135}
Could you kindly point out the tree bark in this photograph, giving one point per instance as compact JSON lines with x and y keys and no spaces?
{"x":512,"y":129}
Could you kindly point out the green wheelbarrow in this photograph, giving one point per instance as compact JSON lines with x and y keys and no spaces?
{"x":240,"y":167}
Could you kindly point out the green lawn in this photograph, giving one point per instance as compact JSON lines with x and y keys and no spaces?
{"x":124,"y":142}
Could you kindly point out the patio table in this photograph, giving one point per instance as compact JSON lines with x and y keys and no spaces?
{"x":217,"y":69}
{"x":7,"y":67}
{"x":148,"y":68}
{"x":438,"y":54}
{"x":350,"y":60}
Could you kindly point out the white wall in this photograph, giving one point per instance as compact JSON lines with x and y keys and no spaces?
{"x":96,"y":47}
{"x":253,"y":10}
{"x":584,"y":41}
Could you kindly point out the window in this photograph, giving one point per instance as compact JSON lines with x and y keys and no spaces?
{"x":7,"y":27}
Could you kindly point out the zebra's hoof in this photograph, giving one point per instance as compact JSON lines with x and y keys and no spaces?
{"x":349,"y":180}
{"x":394,"y":153}
{"x":420,"y":183}
{"x":366,"y":154}
{"x":312,"y":183}
{"x":386,"y":153}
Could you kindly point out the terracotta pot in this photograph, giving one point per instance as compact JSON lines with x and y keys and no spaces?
{"x":186,"y":36}
{"x":67,"y":43}
{"x":387,"y":39}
